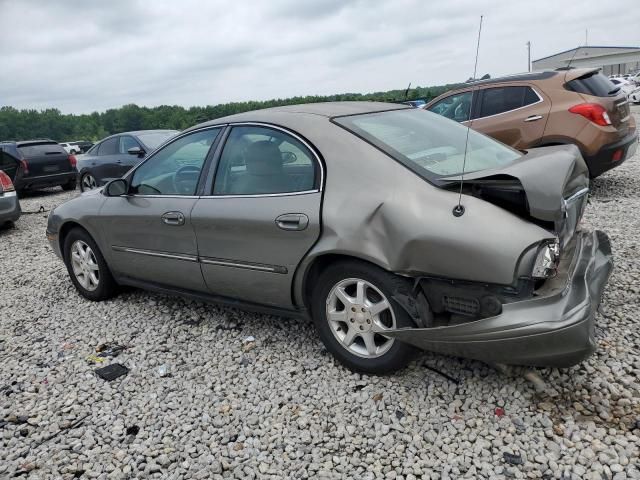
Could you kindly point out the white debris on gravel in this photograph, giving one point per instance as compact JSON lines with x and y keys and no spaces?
{"x":284,"y":408}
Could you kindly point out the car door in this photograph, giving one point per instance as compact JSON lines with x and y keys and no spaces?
{"x":106,"y":167}
{"x":262,"y":214}
{"x":127,"y":161}
{"x":515,"y":115}
{"x":149,"y":230}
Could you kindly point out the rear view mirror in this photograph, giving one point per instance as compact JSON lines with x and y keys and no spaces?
{"x":136,"y":151}
{"x":116,"y":188}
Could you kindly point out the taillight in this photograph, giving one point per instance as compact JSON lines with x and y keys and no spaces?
{"x":592,"y":112}
{"x":25,"y":167}
{"x":617,"y":155}
{"x":6,"y":185}
{"x":73,"y":161}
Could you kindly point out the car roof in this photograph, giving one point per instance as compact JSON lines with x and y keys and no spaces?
{"x":322,"y":109}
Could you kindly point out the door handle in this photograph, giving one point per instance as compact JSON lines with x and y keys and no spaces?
{"x":173,"y":218}
{"x":292,"y":221}
{"x":533,"y":118}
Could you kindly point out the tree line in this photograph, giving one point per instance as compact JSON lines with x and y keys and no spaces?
{"x":27,"y":124}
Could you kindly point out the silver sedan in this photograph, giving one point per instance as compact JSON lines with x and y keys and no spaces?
{"x":357,"y":215}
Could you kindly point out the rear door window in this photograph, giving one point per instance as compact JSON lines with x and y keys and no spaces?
{"x":259,"y":160}
{"x":109,"y":146}
{"x":504,"y":99}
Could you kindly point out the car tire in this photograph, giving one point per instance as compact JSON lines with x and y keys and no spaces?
{"x":70,"y":185}
{"x":87,"y":182}
{"x":360,"y":349}
{"x":87,"y":267}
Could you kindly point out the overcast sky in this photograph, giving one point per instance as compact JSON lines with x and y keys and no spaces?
{"x":81,"y":55}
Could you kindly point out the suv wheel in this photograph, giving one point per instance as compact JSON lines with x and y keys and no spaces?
{"x":352,"y":306}
{"x":86,"y":266}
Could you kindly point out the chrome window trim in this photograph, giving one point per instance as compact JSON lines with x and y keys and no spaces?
{"x":262,"y":195}
{"x":540,"y":100}
{"x":154,"y":253}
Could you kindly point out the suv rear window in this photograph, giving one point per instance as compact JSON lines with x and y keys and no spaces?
{"x":593,"y":83}
{"x":39,"y":149}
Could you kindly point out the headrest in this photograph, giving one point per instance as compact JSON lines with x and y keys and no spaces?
{"x":263,"y":158}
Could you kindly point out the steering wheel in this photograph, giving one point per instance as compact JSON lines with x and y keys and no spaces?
{"x":185,"y":179}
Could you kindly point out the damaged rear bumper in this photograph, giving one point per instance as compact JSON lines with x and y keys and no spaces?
{"x":555,"y":328}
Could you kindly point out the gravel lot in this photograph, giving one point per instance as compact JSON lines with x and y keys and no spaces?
{"x":282,"y":408}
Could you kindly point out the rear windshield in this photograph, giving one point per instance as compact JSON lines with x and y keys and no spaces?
{"x":594,"y":84}
{"x":40,"y":149}
{"x":152,"y":140}
{"x":427,"y":143}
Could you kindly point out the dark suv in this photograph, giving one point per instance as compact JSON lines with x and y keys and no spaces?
{"x":35,"y":164}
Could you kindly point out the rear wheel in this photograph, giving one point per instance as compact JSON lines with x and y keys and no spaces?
{"x":88,"y":182}
{"x":86,"y":266}
{"x":352,"y":306}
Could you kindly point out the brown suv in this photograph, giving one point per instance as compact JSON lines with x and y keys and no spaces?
{"x":574,"y":106}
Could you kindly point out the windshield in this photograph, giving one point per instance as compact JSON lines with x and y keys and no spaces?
{"x":427,"y":143}
{"x":153,"y":139}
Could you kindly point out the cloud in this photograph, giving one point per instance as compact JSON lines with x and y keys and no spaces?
{"x":83,"y":55}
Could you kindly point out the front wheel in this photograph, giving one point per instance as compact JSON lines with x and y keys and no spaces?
{"x":86,"y":266}
{"x":352,"y":306}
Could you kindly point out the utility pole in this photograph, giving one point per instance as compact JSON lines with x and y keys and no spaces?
{"x":586,"y":37}
{"x":528,"y":56}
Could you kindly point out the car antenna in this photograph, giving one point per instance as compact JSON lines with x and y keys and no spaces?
{"x":458,"y":210}
{"x":406,"y":92}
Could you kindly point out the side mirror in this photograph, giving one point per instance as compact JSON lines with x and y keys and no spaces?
{"x":136,"y":151}
{"x":116,"y":188}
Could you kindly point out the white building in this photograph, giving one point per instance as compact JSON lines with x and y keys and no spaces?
{"x":612,"y":60}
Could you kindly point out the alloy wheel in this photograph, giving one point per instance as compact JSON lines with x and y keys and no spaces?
{"x":88,"y":182}
{"x":85,"y":266}
{"x":358,"y":313}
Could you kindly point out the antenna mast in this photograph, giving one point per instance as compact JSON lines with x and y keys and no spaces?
{"x":458,"y":210}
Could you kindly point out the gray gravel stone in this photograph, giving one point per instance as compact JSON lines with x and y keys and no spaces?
{"x":283,"y":408}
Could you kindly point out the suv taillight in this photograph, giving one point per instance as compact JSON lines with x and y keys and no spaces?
{"x":73,"y":161}
{"x":25,"y":167}
{"x":6,"y":185}
{"x":592,"y":112}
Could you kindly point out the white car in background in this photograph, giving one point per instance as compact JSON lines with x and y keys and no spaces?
{"x":71,"y":148}
{"x":634,"y":96}
{"x":625,"y":85}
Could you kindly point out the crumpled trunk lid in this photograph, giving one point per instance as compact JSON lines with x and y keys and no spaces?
{"x":549,"y":185}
